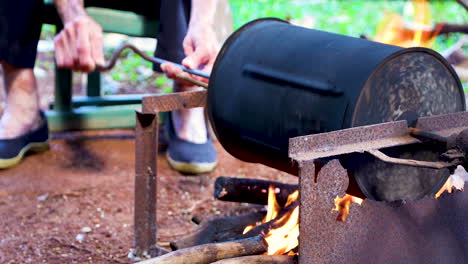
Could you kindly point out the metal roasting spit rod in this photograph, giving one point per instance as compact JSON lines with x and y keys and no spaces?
{"x":116,"y":54}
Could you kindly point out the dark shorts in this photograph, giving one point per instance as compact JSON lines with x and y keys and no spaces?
{"x":21,"y":21}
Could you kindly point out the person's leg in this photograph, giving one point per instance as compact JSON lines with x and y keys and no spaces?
{"x":21,"y":113}
{"x":174,"y":15}
{"x":192,"y":151}
{"x":20,"y":26}
{"x":19,"y":35}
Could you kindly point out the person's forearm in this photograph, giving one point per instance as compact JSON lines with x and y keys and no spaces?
{"x":69,"y":9}
{"x":203,"y":11}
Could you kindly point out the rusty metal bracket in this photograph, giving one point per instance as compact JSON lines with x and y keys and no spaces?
{"x":374,"y":137}
{"x":358,"y":139}
{"x":146,"y":174}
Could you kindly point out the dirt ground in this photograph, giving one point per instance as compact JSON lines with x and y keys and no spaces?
{"x":74,"y":203}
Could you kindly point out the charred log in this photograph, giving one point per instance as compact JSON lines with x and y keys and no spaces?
{"x":250,"y":190}
{"x":209,"y":253}
{"x":260,"y":259}
{"x":217,"y":229}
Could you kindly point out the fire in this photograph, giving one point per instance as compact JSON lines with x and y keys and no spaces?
{"x":394,"y":30}
{"x":283,"y":235}
{"x":284,"y":232}
{"x":456,"y":180}
{"x":342,"y":205}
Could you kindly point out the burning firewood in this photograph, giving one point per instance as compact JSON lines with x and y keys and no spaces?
{"x":260,"y":259}
{"x":280,"y":226}
{"x":265,"y":227}
{"x":208,"y":253}
{"x":217,"y":229}
{"x":250,"y":190}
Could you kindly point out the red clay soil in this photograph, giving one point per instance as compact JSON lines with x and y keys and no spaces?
{"x":85,"y":182}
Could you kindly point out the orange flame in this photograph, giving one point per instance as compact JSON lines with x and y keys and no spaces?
{"x":455,"y":181}
{"x":283,"y":236}
{"x":394,"y":30}
{"x":342,"y":205}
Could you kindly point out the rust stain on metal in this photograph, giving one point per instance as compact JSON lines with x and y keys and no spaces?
{"x":424,"y":231}
{"x":174,"y":101}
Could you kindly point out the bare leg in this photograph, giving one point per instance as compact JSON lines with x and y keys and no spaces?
{"x":21,"y":113}
{"x":190,"y":124}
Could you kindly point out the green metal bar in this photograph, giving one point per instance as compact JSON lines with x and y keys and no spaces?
{"x":63,"y":90}
{"x":90,"y":117}
{"x":93,"y":86}
{"x":124,"y":22}
{"x":107,"y":100}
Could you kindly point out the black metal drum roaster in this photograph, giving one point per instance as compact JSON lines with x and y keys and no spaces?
{"x":273,"y":81}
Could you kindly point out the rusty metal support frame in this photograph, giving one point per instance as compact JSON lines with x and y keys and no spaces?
{"x":424,"y":231}
{"x":374,"y":137}
{"x":146,"y":174}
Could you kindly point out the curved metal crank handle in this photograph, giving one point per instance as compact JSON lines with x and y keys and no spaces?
{"x":415,"y":163}
{"x":456,"y":154}
{"x":115,"y":55}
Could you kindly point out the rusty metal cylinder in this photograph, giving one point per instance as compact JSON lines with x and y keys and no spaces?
{"x":273,"y":81}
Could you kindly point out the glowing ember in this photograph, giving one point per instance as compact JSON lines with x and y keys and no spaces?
{"x":342,"y":205}
{"x":393,"y":29}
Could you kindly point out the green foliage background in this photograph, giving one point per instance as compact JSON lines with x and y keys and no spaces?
{"x":347,"y":17}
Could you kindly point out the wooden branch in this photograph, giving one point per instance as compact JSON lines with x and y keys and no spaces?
{"x":260,"y":259}
{"x":450,"y":28}
{"x":407,"y":33}
{"x":209,"y":253}
{"x":217,"y":229}
{"x":265,"y":227}
{"x":250,"y":190}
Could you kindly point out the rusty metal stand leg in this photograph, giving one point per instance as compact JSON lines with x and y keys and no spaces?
{"x":146,"y":145}
{"x":145,"y":185}
{"x":307,"y":175}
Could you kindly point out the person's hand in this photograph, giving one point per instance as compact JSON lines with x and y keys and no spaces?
{"x":79,"y":46}
{"x":200,"y":47}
